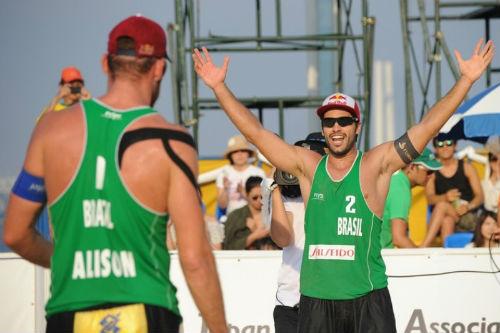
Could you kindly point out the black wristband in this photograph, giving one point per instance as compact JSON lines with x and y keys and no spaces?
{"x":405,"y":149}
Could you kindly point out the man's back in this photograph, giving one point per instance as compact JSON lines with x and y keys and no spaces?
{"x":121,"y":239}
{"x":145,"y":158}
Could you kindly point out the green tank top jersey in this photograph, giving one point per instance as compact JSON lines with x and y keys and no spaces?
{"x":342,"y":258}
{"x":108,"y":248}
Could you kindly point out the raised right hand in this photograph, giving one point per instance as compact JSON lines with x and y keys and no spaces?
{"x":206,"y":69}
{"x":63,"y":91}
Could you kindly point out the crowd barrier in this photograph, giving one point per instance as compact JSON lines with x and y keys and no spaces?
{"x":433,"y":291}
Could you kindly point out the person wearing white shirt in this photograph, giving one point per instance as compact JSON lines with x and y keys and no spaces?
{"x":231,"y":181}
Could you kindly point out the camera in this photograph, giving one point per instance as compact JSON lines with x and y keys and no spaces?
{"x":75,"y":90}
{"x":284,"y":178}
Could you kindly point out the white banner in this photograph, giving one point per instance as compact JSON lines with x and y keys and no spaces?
{"x":433,"y":291}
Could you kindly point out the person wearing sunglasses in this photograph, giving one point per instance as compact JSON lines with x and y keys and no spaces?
{"x":454,"y":192}
{"x":343,"y":283}
{"x":397,"y":205}
{"x":244,"y":228}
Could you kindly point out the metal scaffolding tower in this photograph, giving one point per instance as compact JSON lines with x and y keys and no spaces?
{"x":435,"y":46}
{"x":188,"y":104}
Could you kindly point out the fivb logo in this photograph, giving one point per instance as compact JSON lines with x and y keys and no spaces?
{"x":318,"y":196}
{"x":112,"y":115}
{"x":332,"y":252}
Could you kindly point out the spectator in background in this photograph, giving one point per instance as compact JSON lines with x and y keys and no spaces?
{"x":486,"y":228}
{"x":454,"y":191}
{"x":71,"y":91}
{"x":397,"y":205}
{"x":231,"y":181}
{"x":491,"y":183}
{"x":244,"y":227}
{"x":287,"y":230}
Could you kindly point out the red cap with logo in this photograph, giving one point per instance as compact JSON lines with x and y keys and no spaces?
{"x":149,"y":38}
{"x":339,"y":101}
{"x":70,"y":74}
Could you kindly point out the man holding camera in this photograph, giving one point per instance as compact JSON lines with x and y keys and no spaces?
{"x":71,"y":91}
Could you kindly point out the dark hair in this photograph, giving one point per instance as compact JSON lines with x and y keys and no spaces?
{"x":478,"y":239}
{"x":131,"y":66}
{"x":290,"y":191}
{"x":252,"y":182}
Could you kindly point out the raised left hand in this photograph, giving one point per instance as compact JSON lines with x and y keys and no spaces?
{"x":473,"y":67}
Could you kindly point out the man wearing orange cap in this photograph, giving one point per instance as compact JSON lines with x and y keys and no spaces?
{"x":112,"y":171}
{"x":343,"y":283}
{"x":71,"y":90}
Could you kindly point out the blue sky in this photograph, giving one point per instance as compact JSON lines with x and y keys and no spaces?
{"x":39,"y":38}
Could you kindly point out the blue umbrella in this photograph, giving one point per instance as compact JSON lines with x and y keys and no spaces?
{"x":477,"y":118}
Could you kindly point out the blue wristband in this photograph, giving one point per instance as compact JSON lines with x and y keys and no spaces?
{"x":30,"y":187}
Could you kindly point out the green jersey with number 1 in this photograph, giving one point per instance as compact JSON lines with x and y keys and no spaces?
{"x":108,"y":248}
{"x":342,"y":258}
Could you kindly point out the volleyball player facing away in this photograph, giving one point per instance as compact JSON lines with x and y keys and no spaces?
{"x":112,"y":170}
{"x":343,"y":282}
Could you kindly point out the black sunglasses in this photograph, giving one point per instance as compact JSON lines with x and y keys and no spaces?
{"x":493,"y":158}
{"x":342,"y":121}
{"x":447,"y":143}
{"x":255,"y":197}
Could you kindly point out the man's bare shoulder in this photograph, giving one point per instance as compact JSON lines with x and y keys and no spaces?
{"x":158,"y":121}
{"x":63,"y":121}
{"x":310,"y":160}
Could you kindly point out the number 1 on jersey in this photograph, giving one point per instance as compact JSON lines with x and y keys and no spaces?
{"x":100,"y":172}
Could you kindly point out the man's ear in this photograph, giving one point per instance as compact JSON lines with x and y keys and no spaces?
{"x":105,"y":64}
{"x":358,"y":127}
{"x":160,"y":67}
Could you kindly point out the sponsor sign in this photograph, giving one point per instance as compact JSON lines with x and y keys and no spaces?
{"x":332,"y":252}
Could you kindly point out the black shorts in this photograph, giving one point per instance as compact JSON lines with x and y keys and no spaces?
{"x":140,"y":318}
{"x":371,"y":313}
{"x":285,"y":319}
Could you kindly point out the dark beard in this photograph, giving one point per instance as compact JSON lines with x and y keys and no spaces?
{"x":156,"y":93}
{"x":343,"y":152}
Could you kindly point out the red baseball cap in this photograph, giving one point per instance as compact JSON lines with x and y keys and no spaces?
{"x":70,"y":74}
{"x":339,"y":101}
{"x":149,"y":37}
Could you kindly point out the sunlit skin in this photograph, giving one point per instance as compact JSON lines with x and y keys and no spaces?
{"x":71,"y":99}
{"x":240,"y":159}
{"x":340,"y":140}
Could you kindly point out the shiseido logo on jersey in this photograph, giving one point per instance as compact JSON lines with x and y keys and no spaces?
{"x":112,"y":115}
{"x":318,"y":196}
{"x":332,"y":252}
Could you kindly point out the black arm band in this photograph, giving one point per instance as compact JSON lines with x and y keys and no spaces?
{"x":405,"y":149}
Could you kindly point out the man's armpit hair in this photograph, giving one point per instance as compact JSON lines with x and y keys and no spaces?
{"x":405,"y":149}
